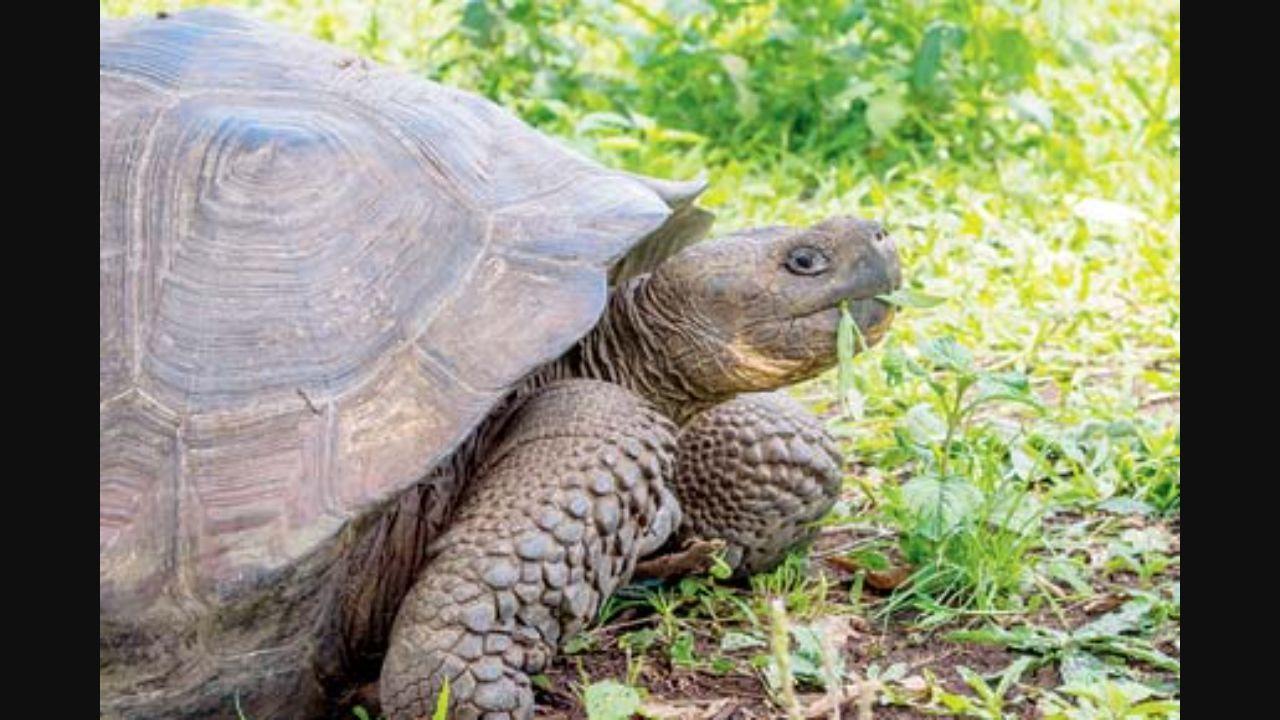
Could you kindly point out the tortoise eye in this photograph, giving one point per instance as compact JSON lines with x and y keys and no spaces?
{"x":807,"y":261}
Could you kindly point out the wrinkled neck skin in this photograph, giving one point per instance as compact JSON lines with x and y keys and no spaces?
{"x":638,"y":344}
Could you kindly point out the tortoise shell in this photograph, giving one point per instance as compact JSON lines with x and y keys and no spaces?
{"x":317,"y":277}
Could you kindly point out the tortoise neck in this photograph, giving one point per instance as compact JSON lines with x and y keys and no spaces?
{"x":635,"y":345}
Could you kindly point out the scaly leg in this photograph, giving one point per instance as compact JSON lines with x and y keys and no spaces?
{"x":755,"y":472}
{"x":572,"y":495}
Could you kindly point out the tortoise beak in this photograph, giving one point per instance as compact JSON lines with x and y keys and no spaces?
{"x":878,"y":271}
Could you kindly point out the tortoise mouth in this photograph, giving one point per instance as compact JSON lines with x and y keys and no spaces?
{"x":873,"y":317}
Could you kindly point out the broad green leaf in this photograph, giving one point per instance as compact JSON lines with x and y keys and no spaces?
{"x":478,"y":21}
{"x":733,"y":640}
{"x":928,"y":59}
{"x":580,"y":642}
{"x":638,"y":641}
{"x":911,"y":298}
{"x":884,"y":111}
{"x":610,"y":700}
{"x":681,"y":650}
{"x":941,"y":505}
{"x":1013,"y":52}
{"x":1128,"y":618}
{"x":946,"y":353}
{"x":923,"y":424}
{"x":1080,"y":668}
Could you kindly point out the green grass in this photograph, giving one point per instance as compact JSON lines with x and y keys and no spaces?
{"x":1017,"y":436}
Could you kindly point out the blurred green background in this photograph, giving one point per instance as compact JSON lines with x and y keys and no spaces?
{"x":1026,"y":156}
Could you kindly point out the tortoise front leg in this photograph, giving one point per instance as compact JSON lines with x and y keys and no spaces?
{"x":574,"y":492}
{"x":755,"y":472}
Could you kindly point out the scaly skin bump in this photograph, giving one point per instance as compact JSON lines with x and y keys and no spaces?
{"x":573,"y":493}
{"x":755,"y":471}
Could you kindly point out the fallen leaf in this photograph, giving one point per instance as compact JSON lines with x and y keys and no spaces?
{"x":695,"y":558}
{"x":884,"y":580}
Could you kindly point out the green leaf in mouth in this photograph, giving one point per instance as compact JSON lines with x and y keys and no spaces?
{"x":908,"y":298}
{"x":848,"y":341}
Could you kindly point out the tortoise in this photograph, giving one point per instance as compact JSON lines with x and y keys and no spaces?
{"x":396,"y":389}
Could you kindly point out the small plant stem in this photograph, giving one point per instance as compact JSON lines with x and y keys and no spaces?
{"x":781,"y":637}
{"x":954,"y":415}
{"x":830,"y":675}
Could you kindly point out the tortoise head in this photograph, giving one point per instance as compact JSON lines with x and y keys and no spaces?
{"x":759,"y":309}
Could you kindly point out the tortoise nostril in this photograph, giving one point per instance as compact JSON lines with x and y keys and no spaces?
{"x":876,"y":231}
